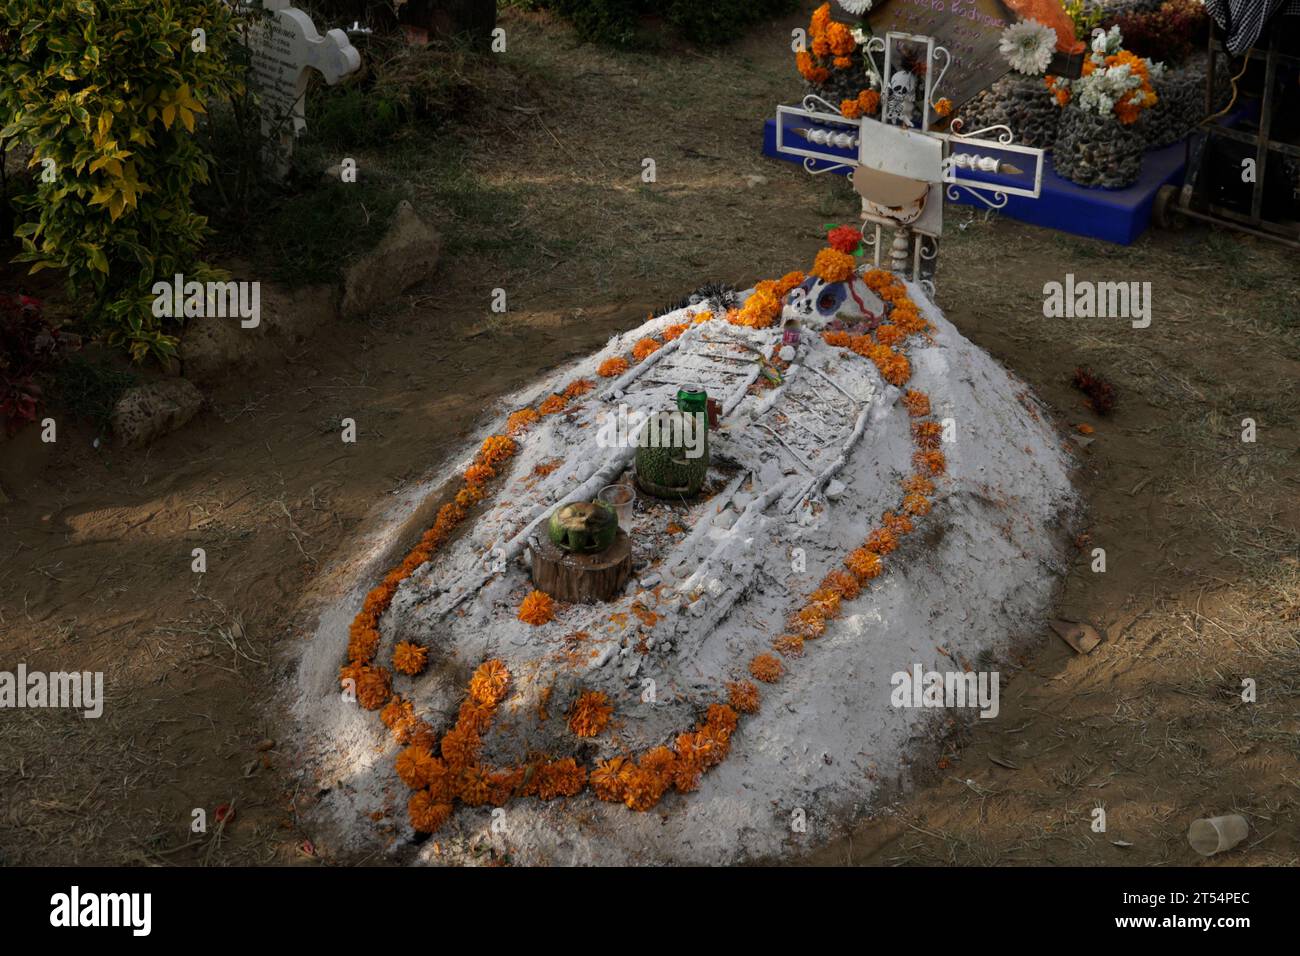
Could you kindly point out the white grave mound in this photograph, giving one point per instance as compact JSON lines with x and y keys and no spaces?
{"x":801,"y":473}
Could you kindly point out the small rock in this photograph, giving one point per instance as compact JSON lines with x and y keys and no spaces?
{"x":754,"y":179}
{"x":147,"y":412}
{"x":372,"y":283}
{"x":650,"y":580}
{"x":834,"y":489}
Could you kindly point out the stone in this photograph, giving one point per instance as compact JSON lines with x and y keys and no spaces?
{"x":1096,"y":150}
{"x":406,"y":256}
{"x":147,"y":412}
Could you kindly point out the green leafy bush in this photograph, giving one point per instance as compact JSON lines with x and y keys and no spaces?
{"x":108,"y":94}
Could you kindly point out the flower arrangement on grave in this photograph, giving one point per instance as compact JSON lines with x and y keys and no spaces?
{"x":833,"y":65}
{"x":1096,"y":143}
{"x":1115,"y":82}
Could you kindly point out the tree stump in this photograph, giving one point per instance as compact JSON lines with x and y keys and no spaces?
{"x":581,"y":578}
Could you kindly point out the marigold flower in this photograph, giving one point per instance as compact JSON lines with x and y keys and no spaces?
{"x":837,"y":339}
{"x":497,"y":449}
{"x":642,"y":789}
{"x":766,"y":668}
{"x":843,"y":63}
{"x":373,"y":687}
{"x":672,"y":332}
{"x":889,"y":335}
{"x":578,"y":387}
{"x":915,"y":504}
{"x":460,"y":747}
{"x":869,"y":100}
{"x":841,"y":38}
{"x":416,"y":765}
{"x":605,"y":779}
{"x":612,"y":367}
{"x":537,"y":608}
{"x":560,"y":778}
{"x":490,"y":682}
{"x":469,"y":496}
{"x":398,"y":716}
{"x":846,"y":585}
{"x":473,"y":786}
{"x":927,"y":434}
{"x":552,"y":405}
{"x":864,"y":564}
{"x":943,"y":107}
{"x":475,"y":716}
{"x":644,"y":348}
{"x":809,"y":622}
{"x":426,"y":815}
{"x":759,"y":311}
{"x":916,"y":403}
{"x":409,"y":657}
{"x":362,"y":644}
{"x":479,"y":474}
{"x":918,"y":484}
{"x":882,"y":541}
{"x":831,"y":265}
{"x":722,"y":717}
{"x":702,"y":317}
{"x":896,"y":523}
{"x":518,"y":421}
{"x":743,"y":696}
{"x":590,"y":714}
{"x":930,"y":462}
{"x":788,"y":645}
{"x":850,"y":108}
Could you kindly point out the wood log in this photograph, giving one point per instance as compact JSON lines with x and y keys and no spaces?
{"x":581,"y":578}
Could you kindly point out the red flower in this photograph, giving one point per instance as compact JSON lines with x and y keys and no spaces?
{"x":844,"y":239}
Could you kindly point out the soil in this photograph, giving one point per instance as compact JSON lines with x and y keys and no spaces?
{"x":1201,"y":530}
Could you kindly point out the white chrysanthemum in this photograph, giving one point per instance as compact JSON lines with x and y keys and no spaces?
{"x":855,"y":7}
{"x":1027,"y":46}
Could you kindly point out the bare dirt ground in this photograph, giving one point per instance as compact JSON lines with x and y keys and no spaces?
{"x":1201,"y":531}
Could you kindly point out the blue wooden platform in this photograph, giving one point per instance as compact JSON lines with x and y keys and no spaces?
{"x":1115,"y":215}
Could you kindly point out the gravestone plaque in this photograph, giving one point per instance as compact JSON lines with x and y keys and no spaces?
{"x":282,"y":47}
{"x":969,"y":29}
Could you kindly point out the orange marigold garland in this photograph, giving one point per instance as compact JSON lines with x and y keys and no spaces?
{"x":518,"y":421}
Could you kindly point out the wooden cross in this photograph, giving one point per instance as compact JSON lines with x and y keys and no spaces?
{"x":904,"y":171}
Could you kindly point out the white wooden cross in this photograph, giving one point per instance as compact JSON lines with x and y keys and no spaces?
{"x":283,"y":47}
{"x":902,"y":172}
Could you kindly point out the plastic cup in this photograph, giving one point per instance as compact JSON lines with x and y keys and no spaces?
{"x":620,"y":498}
{"x":1212,"y":835}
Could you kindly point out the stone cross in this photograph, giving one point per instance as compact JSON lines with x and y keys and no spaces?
{"x":283,"y":47}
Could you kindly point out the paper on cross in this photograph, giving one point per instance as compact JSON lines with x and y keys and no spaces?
{"x":283,"y":47}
